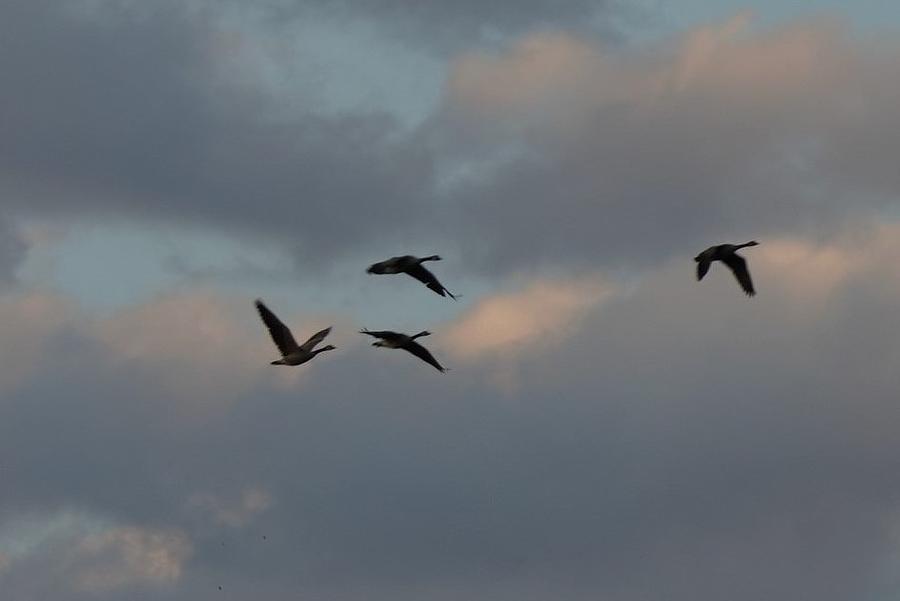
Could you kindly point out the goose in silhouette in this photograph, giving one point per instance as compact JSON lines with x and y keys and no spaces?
{"x":727,"y":253}
{"x":291,"y":353}
{"x":405,"y":342}
{"x":411,"y":265}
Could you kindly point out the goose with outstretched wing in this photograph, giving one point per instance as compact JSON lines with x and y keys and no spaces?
{"x":727,"y":253}
{"x":408,"y":343}
{"x":412,"y":266}
{"x":291,"y":352}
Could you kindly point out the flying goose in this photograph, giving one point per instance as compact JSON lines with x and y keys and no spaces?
{"x":727,"y":253}
{"x":291,"y":353}
{"x":406,"y":342}
{"x":411,"y":265}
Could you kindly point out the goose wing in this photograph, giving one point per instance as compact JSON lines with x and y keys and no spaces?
{"x":427,"y":278}
{"x":315,"y":339}
{"x":280,"y":333}
{"x":383,"y":334}
{"x":704,"y":260}
{"x":738,"y":266}
{"x":702,"y":268}
{"x":422,"y":353}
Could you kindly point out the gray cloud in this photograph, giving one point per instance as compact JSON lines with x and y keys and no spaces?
{"x":677,"y":447}
{"x":455,"y":26}
{"x":577,"y":155}
{"x":12,"y":251}
{"x":130,"y":114}
{"x":583,"y":155}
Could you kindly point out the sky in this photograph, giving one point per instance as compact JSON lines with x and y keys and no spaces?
{"x":610,"y":428}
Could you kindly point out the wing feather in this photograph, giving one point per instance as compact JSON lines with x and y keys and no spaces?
{"x":738,"y":266}
{"x":383,"y":334}
{"x":280,"y":333}
{"x":422,"y":353}
{"x":315,"y":339}
{"x":426,"y":277}
{"x":702,"y":267}
{"x":704,"y":260}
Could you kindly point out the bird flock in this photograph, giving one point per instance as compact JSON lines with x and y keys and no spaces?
{"x":297,"y":354}
{"x":294,"y":354}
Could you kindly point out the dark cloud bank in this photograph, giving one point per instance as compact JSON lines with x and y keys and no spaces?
{"x":139,"y":114}
{"x":648,"y":458}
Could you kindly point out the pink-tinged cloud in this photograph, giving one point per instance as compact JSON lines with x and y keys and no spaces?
{"x":558,"y":72}
{"x":123,"y":557}
{"x":624,"y":155}
{"x":537,"y":65}
{"x":201,"y":351}
{"x":782,"y":65}
{"x":531,"y":321}
{"x":814,"y":272}
{"x":205,"y":354}
{"x":26,"y":324}
{"x":208,"y":350}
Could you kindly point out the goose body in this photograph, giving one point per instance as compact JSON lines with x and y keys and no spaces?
{"x":291,"y":352}
{"x":727,"y":254}
{"x":388,"y":339}
{"x":412,"y":266}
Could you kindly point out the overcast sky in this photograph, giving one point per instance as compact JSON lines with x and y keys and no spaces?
{"x":611,"y":429}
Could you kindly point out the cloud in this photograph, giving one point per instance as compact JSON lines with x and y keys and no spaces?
{"x":201,"y":351}
{"x":29,"y":321}
{"x":234,"y":513}
{"x":13,"y":249}
{"x":503,"y":329}
{"x":533,"y":320}
{"x":680,"y":441}
{"x":169,"y":130}
{"x":122,"y":557}
{"x":550,"y":149}
{"x":625,"y":156}
{"x":729,"y":62}
{"x":445,"y":27}
{"x":678,"y":429}
{"x":539,"y":70}
{"x":74,"y":555}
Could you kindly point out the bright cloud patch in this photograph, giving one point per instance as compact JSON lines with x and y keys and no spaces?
{"x":129,"y":556}
{"x":813,"y":272}
{"x":63,"y":553}
{"x":610,"y":155}
{"x":200,"y":347}
{"x":201,"y":350}
{"x":557,"y":72}
{"x":525,"y":322}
